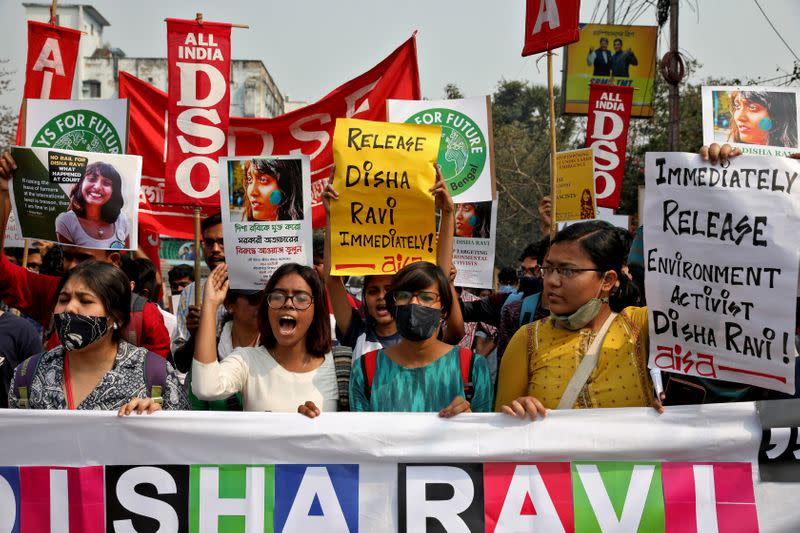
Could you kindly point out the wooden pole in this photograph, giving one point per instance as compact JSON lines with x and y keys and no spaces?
{"x":197,"y":288}
{"x":553,"y":224}
{"x":674,"y":93}
{"x":53,"y":10}
{"x":25,"y":253}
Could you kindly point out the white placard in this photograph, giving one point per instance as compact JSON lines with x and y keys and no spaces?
{"x":721,"y":260}
{"x":474,"y":244}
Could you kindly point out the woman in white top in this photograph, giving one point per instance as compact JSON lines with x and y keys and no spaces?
{"x":95,"y":218}
{"x":292,"y":367}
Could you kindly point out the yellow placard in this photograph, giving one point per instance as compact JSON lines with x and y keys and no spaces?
{"x":384,"y":218}
{"x":575,"y":199}
{"x":624,"y":54}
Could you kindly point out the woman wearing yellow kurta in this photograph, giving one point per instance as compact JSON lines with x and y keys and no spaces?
{"x":584,"y":288}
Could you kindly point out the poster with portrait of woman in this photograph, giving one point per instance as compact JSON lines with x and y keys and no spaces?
{"x":759,"y":120}
{"x":83,"y":199}
{"x":474,"y":244}
{"x":266,"y":216}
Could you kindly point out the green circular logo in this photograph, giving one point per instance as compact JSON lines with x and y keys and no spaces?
{"x":462,"y":152}
{"x":79,"y":129}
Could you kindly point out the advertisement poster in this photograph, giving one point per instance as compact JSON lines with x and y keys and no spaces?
{"x":80,"y":198}
{"x":575,"y":198}
{"x":721,"y":262}
{"x":759,"y":120}
{"x":611,"y":54}
{"x":474,"y":244}
{"x":85,"y":125}
{"x":266,"y":216}
{"x":384,"y":218}
{"x":466,"y":149}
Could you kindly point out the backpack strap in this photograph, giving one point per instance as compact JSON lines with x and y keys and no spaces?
{"x":369,"y":362}
{"x":343,"y":364}
{"x":528,"y":309}
{"x":24,"y":378}
{"x":134,"y":333}
{"x":155,"y":376}
{"x":466,"y":362}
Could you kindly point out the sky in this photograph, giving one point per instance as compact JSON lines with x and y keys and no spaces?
{"x":312,"y":46}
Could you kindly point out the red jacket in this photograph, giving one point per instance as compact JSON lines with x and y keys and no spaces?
{"x":36,"y":294}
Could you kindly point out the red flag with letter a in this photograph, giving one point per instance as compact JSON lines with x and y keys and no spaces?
{"x":199,"y":62}
{"x":550,"y":24}
{"x":52,"y":55}
{"x":307,"y":130}
{"x":607,"y":133}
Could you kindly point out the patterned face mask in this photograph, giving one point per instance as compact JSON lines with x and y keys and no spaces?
{"x":79,"y":331}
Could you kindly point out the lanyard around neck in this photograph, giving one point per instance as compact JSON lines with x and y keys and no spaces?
{"x":68,"y":383}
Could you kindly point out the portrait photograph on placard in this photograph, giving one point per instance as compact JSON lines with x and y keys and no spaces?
{"x":265,"y":190}
{"x":474,"y":220}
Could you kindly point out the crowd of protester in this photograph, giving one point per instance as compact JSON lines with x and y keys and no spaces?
{"x":566,"y":328}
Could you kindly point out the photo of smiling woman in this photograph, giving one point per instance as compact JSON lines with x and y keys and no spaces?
{"x":766,"y":118}
{"x":474,"y":220}
{"x":273,"y":190}
{"x":95,"y":218}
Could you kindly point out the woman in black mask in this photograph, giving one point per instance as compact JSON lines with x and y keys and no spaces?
{"x":421,"y":373}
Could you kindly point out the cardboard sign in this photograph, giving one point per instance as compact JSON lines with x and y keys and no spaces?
{"x":384,"y":218}
{"x":474,"y":244}
{"x":266,"y":206}
{"x":759,"y":120}
{"x":575,"y":199}
{"x":79,"y":198}
{"x":83,"y":125}
{"x":550,"y":24}
{"x":721,"y":260}
{"x":466,"y":150}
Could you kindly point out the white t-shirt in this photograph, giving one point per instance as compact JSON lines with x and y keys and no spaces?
{"x":265,"y":385}
{"x":170,"y":322}
{"x":68,"y":226}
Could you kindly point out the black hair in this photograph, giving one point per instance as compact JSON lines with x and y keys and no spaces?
{"x":142,"y":272}
{"x":483,"y":219}
{"x":536,"y":250}
{"x":111,"y":209}
{"x":607,"y":249}
{"x":507,"y":276}
{"x":318,"y":244}
{"x":179,"y":272}
{"x":782,"y":110}
{"x":318,"y":336}
{"x":110,"y":285}
{"x":289,"y":178}
{"x":209,"y":222}
{"x":417,"y":277}
{"x":53,"y":262}
{"x":618,"y":40}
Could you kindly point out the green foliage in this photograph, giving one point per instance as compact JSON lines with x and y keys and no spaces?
{"x":8,"y":115}
{"x":452,"y":92}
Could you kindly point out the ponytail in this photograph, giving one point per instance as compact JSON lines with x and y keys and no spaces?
{"x":625,"y":294}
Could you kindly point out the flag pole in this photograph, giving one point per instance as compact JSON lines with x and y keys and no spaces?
{"x":553,"y":225}
{"x":197,"y":288}
{"x":25,"y":253}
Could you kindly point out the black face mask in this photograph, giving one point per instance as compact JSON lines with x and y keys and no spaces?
{"x":416,"y":322}
{"x":530,"y":285}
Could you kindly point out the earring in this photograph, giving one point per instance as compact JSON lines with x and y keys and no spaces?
{"x":114,"y":326}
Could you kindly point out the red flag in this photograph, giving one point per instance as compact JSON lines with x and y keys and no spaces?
{"x":307,"y":130}
{"x":550,"y":24}
{"x":199,"y":60}
{"x":607,"y":133}
{"x":52,"y":55}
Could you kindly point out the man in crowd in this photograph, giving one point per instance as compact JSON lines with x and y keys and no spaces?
{"x":621,"y":61}
{"x":35,"y":294}
{"x":600,"y":59}
{"x":179,"y":277}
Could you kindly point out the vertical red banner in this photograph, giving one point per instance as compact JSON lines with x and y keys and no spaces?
{"x":607,"y":133}
{"x":52,"y":56}
{"x":199,"y":58}
{"x":550,"y":24}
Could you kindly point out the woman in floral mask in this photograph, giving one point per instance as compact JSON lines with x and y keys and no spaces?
{"x":94,"y":368}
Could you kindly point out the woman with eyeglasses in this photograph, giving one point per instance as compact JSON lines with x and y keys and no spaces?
{"x":592,"y":349}
{"x":421,"y":373}
{"x":291,"y":369}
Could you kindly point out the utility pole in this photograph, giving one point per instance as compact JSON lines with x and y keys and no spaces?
{"x":610,"y":14}
{"x":674,"y":67}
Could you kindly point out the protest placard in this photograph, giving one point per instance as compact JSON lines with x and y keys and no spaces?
{"x":759,"y":120}
{"x":80,"y":198}
{"x":266,"y":216}
{"x":466,"y":148}
{"x":384,"y":217}
{"x":721,"y":260}
{"x":474,"y":244}
{"x":575,"y":198}
{"x":85,"y":125}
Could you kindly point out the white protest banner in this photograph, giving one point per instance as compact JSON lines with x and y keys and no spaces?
{"x":376,"y":472}
{"x":759,"y":120}
{"x":466,"y":150}
{"x":13,"y":238}
{"x":266,"y":216}
{"x":721,"y":260}
{"x":81,"y":198}
{"x":474,"y":244}
{"x":85,"y":125}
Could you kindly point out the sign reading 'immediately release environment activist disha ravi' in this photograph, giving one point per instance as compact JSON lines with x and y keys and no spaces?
{"x":384,"y":218}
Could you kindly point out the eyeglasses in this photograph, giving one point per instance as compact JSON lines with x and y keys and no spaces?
{"x":532,"y":271}
{"x":567,"y":272}
{"x":301,"y":300}
{"x":426,"y":298}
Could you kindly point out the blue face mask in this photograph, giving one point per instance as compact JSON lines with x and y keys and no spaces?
{"x":506,"y":289}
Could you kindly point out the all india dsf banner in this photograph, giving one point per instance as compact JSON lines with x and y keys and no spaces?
{"x":384,"y":218}
{"x":622,"y":55}
{"x":623,"y":470}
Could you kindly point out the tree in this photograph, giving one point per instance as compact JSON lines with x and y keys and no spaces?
{"x":8,"y":115}
{"x":452,"y":92}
